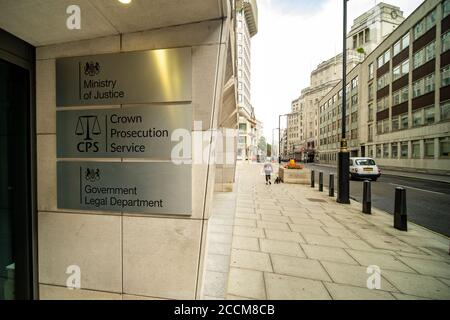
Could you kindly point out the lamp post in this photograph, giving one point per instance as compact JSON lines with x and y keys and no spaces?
{"x":343,"y":194}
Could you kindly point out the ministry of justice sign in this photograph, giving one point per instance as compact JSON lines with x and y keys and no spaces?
{"x":158,"y":188}
{"x":134,"y":132}
{"x":163,"y":75}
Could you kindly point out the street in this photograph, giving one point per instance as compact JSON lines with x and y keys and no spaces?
{"x":428,"y":202}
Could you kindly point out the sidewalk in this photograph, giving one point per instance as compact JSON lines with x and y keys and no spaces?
{"x":399,"y":173}
{"x":293,"y":242}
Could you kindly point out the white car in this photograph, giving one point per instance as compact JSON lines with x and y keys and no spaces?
{"x":364,"y":168}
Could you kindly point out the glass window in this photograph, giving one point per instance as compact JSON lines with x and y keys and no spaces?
{"x":397,"y":47}
{"x":444,"y":147}
{"x":429,"y":115}
{"x":404,"y":149}
{"x":405,"y":41}
{"x":445,"y":76}
{"x":370,"y":91}
{"x":445,"y":110}
{"x":396,"y":73}
{"x":386,"y":150}
{"x":395,"y":123}
{"x":417,"y":118}
{"x":404,"y":121}
{"x":379,"y":127}
{"x":370,"y":111}
{"x":445,"y":8}
{"x":429,"y":83}
{"x":446,"y":41}
{"x":394,"y":150}
{"x":385,"y":125}
{"x":429,"y":148}
{"x":378,"y":150}
{"x":415,"y":149}
{"x":424,"y":55}
{"x":371,"y":71}
{"x":418,"y":88}
{"x":425,"y":24}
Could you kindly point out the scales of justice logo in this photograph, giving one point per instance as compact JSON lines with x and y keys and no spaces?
{"x":88,"y":127}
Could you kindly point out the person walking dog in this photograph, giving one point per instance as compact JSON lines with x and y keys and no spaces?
{"x":268,"y":171}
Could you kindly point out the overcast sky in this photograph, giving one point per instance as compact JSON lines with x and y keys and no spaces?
{"x":293,"y":37}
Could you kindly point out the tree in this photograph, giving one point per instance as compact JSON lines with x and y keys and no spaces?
{"x":262,"y":146}
{"x":269,"y":150}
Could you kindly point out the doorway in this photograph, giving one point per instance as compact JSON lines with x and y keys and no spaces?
{"x":17,"y":208}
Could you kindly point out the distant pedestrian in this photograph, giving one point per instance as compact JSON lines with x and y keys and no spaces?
{"x":268,"y":171}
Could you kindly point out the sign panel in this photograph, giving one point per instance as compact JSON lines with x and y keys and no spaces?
{"x":134,"y":132}
{"x":163,"y":75}
{"x":144,"y":187}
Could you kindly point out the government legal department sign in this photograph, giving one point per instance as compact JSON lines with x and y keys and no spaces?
{"x":163,"y":75}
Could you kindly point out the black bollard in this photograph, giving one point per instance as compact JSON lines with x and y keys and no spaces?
{"x":367,"y":198}
{"x":312,"y":178}
{"x":400,"y":217}
{"x":320,"y":181}
{"x":331,"y":186}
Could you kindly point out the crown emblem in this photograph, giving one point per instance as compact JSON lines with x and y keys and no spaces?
{"x":91,"y":68}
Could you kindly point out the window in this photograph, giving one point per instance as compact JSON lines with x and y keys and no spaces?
{"x":444,"y":147}
{"x":400,"y":96}
{"x":379,"y":127}
{"x":404,"y":121}
{"x":242,"y":127}
{"x":384,"y":58}
{"x":370,"y":133}
{"x":445,"y":76}
{"x":417,"y":118}
{"x":415,"y":149}
{"x":370,"y":91}
{"x":445,"y":41}
{"x":395,"y":123}
{"x":445,"y":110}
{"x":383,"y":81}
{"x":429,"y":115}
{"x":371,"y":151}
{"x":378,"y":150}
{"x":382,"y":103}
{"x":370,"y":111}
{"x":429,"y":148}
{"x":354,"y":99}
{"x":394,"y":150}
{"x":239,"y":97}
{"x":424,"y":55}
{"x":355,"y":41}
{"x":239,"y":36}
{"x":424,"y":85}
{"x":445,"y":8}
{"x":386,"y":125}
{"x":354,"y":82}
{"x":425,"y":24}
{"x":404,"y":149}
{"x":367,"y":35}
{"x":401,"y":44}
{"x":400,"y":70}
{"x":386,"y":150}
{"x":371,"y":71}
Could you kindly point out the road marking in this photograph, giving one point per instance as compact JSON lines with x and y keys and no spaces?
{"x":399,"y":185}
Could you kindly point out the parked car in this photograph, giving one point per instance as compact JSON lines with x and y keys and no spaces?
{"x":364,"y":168}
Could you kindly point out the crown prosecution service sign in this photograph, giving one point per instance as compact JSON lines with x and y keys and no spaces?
{"x":133,"y":132}
{"x":163,"y":75}
{"x":140,"y":187}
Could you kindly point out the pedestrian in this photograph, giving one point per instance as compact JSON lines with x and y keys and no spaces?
{"x":268,"y":171}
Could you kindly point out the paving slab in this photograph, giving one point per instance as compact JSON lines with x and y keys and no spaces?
{"x":281,"y":287}
{"x":246,"y":283}
{"x":299,"y":267}
{"x":345,"y":292}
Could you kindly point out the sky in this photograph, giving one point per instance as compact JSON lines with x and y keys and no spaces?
{"x":293,"y":37}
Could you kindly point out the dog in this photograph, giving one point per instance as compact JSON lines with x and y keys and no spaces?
{"x":278,"y":180}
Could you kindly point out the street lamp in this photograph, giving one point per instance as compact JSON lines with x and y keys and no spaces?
{"x":343,"y":194}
